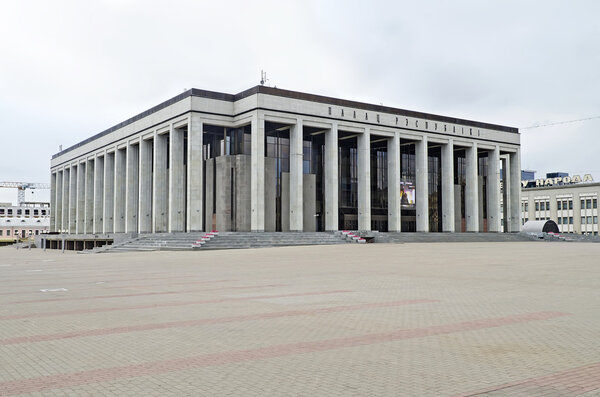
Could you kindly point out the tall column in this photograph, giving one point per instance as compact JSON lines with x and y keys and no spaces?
{"x":364,"y":180}
{"x":120,"y":191}
{"x":99,"y":194}
{"x":296,"y":177}
{"x":132,"y":190}
{"x":176,"y":182}
{"x":145,"y":189}
{"x":506,"y":192}
{"x":53,"y":177}
{"x":394,"y":199}
{"x":80,"y":224}
{"x":109,"y":192}
{"x":471,"y":189}
{"x":257,"y":172}
{"x":73,"y":200}
{"x":515,"y":191}
{"x":493,"y":193}
{"x":89,"y":197}
{"x":448,"y":186}
{"x":331,"y":179}
{"x":160,"y":194}
{"x":65,"y":200}
{"x":194,"y":174}
{"x":422,"y":179}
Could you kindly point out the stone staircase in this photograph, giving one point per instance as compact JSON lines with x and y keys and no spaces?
{"x":392,"y":237}
{"x":222,"y":240}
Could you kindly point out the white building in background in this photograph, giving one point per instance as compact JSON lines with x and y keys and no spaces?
{"x":570,"y":201}
{"x":23,"y":221}
{"x":269,"y":159}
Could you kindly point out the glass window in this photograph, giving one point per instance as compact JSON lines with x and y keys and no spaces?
{"x":595,"y":203}
{"x":548,"y":205}
{"x":565,"y":220}
{"x":588,"y":204}
{"x":43,"y":212}
{"x":560,"y":221}
{"x":589,"y":220}
{"x":564,"y":204}
{"x":8,"y":232}
{"x":537,"y":205}
{"x":570,"y":204}
{"x":26,"y":212}
{"x":582,"y":204}
{"x":1,"y":231}
{"x":19,"y":212}
{"x":542,"y":206}
{"x":526,"y":207}
{"x":558,"y":205}
{"x":1,"y":211}
{"x":570,"y":220}
{"x":595,"y":220}
{"x":9,"y":211}
{"x":583,"y":220}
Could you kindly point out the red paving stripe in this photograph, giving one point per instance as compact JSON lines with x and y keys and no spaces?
{"x":206,"y":360}
{"x":206,"y":321}
{"x":83,"y":298}
{"x":107,"y":285}
{"x":571,"y":382}
{"x":167,"y":304}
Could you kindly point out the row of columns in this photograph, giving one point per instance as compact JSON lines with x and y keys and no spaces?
{"x":131,"y":188}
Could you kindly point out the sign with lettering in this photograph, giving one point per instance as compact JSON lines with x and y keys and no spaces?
{"x":565,"y":180}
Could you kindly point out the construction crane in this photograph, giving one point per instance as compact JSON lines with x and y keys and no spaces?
{"x":22,"y":186}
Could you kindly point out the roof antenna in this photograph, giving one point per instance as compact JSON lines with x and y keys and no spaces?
{"x":263,"y":77}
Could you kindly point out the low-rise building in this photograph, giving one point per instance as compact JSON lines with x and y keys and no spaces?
{"x":570,"y":201}
{"x":23,"y":221}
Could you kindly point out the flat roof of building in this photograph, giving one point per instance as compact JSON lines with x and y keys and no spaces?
{"x":260,"y":89}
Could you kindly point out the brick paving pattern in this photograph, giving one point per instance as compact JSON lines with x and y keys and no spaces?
{"x":462,"y":319}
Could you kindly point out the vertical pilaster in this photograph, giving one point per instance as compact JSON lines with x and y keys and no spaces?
{"x":364,"y":180}
{"x":80,"y":223}
{"x":145,"y":189}
{"x":493,"y":193}
{"x":296,"y":177}
{"x":194,"y":179}
{"x":53,"y":177}
{"x":99,"y":194}
{"x":471,"y":189}
{"x":109,"y":192}
{"x":120,"y":189}
{"x":506,"y":192}
{"x":331,"y":179}
{"x":422,"y":188}
{"x":515,"y":191}
{"x":65,"y":201}
{"x":176,"y":182}
{"x":160,"y":184}
{"x":132,"y":190}
{"x":73,"y":200}
{"x":89,"y":197}
{"x":394,"y":199}
{"x":60,"y":190}
{"x":448,"y":219}
{"x":257,"y":172}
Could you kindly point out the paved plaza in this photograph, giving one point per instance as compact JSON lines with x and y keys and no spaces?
{"x":438,"y":319}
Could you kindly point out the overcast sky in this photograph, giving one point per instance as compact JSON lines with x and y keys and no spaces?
{"x":70,"y":69}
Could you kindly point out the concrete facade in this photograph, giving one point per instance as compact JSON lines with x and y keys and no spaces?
{"x":574,"y":207}
{"x":169,"y":170}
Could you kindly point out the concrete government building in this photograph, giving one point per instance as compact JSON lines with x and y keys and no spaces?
{"x":269,"y":159}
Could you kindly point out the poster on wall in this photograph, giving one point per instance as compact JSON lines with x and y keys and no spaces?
{"x":407,"y":194}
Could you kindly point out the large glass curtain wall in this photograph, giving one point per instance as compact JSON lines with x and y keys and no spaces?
{"x":407,"y":186}
{"x":435,"y":188}
{"x":460,"y":173}
{"x":277,"y":141}
{"x":314,"y":163}
{"x":348,"y":181}
{"x":379,"y":184}
{"x":482,"y":177}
